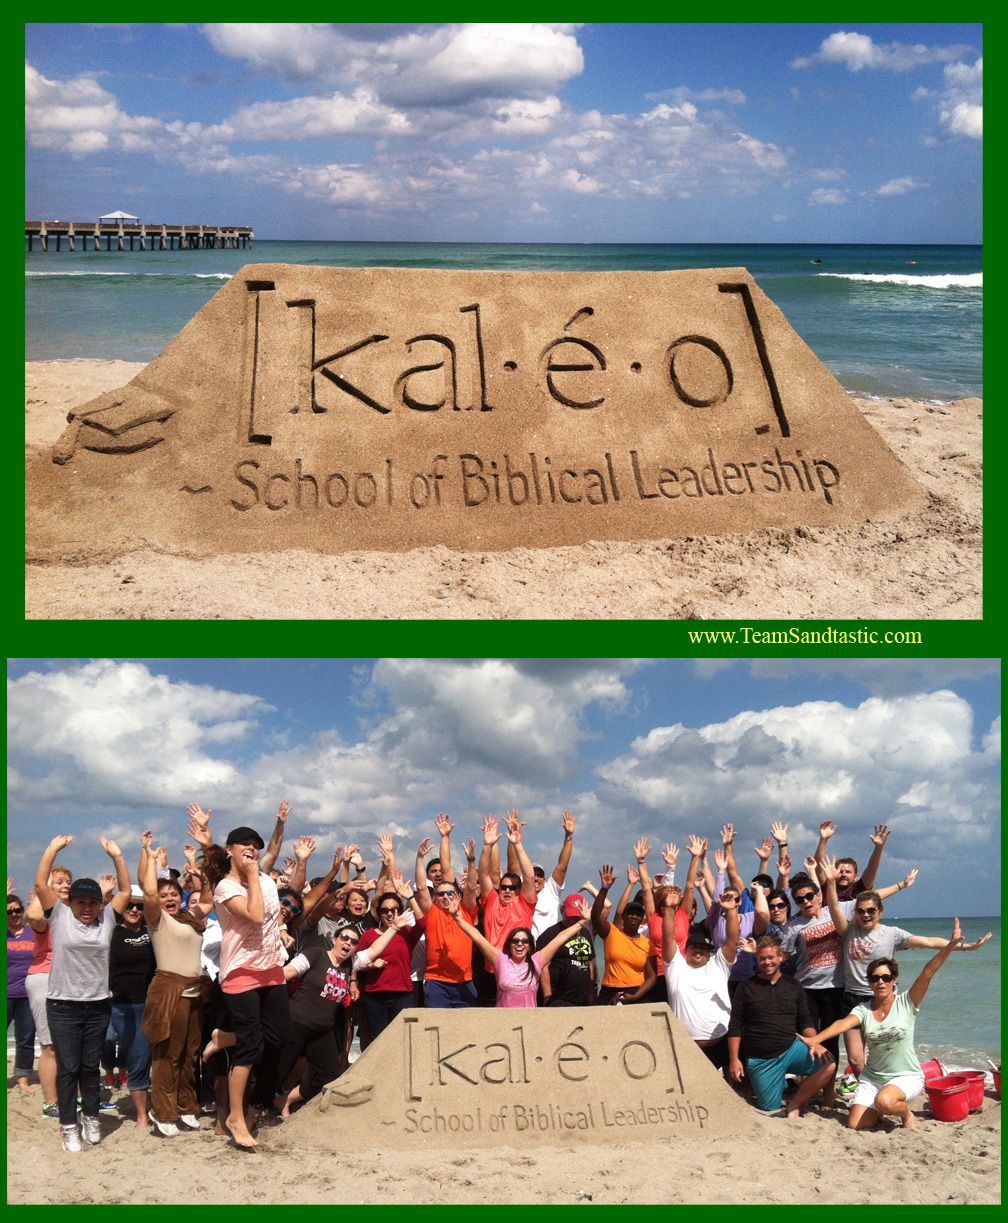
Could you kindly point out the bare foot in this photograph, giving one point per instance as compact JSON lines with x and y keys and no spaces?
{"x":221,"y":1128}
{"x":239,"y":1132}
{"x":909,"y":1121}
{"x":26,"y":1087}
{"x":141,"y":1123}
{"x":251,"y":1117}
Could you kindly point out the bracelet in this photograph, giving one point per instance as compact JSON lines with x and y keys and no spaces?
{"x":783,"y":844}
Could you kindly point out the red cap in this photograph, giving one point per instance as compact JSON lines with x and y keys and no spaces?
{"x":572,"y":906}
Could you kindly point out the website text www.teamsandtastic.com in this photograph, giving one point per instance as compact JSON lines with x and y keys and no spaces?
{"x":799,"y":635}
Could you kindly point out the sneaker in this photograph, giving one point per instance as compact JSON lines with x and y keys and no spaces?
{"x":51,"y":1110}
{"x":71,"y":1138}
{"x":106,"y":1106}
{"x":167,"y":1129}
{"x":189,"y":1121}
{"x":92,"y":1129}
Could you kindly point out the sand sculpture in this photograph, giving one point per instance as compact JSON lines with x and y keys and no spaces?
{"x":555,"y":1076}
{"x":334,"y":409}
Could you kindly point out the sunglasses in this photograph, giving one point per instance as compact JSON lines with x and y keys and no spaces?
{"x":286,"y":903}
{"x":442,"y":895}
{"x":390,"y":909}
{"x":866,"y":912}
{"x":507,"y":887}
{"x":134,"y":908}
{"x":806,"y":897}
{"x":346,"y":938}
{"x":880,"y":976}
{"x":520,"y":942}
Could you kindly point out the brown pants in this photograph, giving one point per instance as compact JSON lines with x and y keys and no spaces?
{"x":173,"y":1065}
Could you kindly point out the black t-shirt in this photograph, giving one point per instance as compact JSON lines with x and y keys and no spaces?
{"x":769,"y":1017}
{"x":323,"y":990}
{"x":131,"y":964}
{"x":570,"y":969}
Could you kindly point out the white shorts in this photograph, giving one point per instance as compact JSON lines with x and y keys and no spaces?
{"x":37,"y":985}
{"x":911,"y":1085}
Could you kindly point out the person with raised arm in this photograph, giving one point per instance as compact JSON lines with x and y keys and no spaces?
{"x":697,"y":981}
{"x":866,"y":939}
{"x":629,"y":956}
{"x":388,"y":988}
{"x":448,"y":979}
{"x":849,"y":883}
{"x":665,"y":894}
{"x":37,"y":983}
{"x":517,"y":967}
{"x":512,"y":903}
{"x":173,"y":1015}
{"x":326,"y":975}
{"x":131,"y":969}
{"x":251,"y":974}
{"x":20,"y":955}
{"x":79,"y":1006}
{"x":892,"y":1075}
{"x":549,"y":890}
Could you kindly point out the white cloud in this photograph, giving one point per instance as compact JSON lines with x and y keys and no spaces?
{"x":859,"y":51}
{"x":682,"y":93}
{"x":901,"y":186}
{"x":313,"y":118}
{"x":828,"y":195}
{"x":960,"y":108}
{"x":79,"y":116}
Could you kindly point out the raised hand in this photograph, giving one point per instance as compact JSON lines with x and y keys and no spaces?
{"x":58,"y":843}
{"x":161,"y":856}
{"x":881,"y":835}
{"x":444,"y":825}
{"x":641,"y":849}
{"x":491,"y":833}
{"x":965,"y":946}
{"x":633,"y":875}
{"x":764,"y":850}
{"x":470,"y":849}
{"x":284,"y":811}
{"x":112,"y":849}
{"x":828,"y":869}
{"x":200,"y":816}
{"x":424,"y":848}
{"x":108,"y":884}
{"x":826,"y":829}
{"x":779,"y":832}
{"x":720,"y":859}
{"x":728,"y":834}
{"x":514,"y":829}
{"x":304,"y":847}
{"x":401,"y":886}
{"x":810,"y":865}
{"x":568,"y":822}
{"x":910,"y":879}
{"x":956,"y":941}
{"x":147,"y":839}
{"x":607,"y":875}
{"x":385,"y":847}
{"x":200,"y":833}
{"x":356,"y":861}
{"x":747,"y":944}
{"x":190,"y":857}
{"x":697,"y":845}
{"x":670,"y":854}
{"x":784,"y":865}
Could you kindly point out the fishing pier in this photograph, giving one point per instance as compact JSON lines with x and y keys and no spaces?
{"x":139,"y":236}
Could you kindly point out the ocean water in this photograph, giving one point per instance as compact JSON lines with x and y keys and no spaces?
{"x":881,"y":324}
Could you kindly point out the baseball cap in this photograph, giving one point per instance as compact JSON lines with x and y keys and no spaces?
{"x":572,"y":906}
{"x":89,"y":889}
{"x":244,"y":833}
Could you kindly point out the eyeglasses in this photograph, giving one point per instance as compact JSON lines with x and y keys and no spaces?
{"x":866,"y":912}
{"x":11,"y":912}
{"x":880,"y":976}
{"x":349,"y":938}
{"x":520,"y":942}
{"x":806,"y":897}
{"x":390,"y":909}
{"x":442,"y":895}
{"x":776,"y":904}
{"x":507,"y":887}
{"x":134,"y":908}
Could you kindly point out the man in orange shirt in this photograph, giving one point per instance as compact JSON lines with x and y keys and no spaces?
{"x":448,"y":975}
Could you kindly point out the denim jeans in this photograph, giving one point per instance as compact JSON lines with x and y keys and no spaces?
{"x":19,"y":1010}
{"x":382,"y":1006}
{"x":134,"y":1048}
{"x":77,"y":1030}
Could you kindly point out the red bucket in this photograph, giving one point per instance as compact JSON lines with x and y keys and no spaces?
{"x":932,"y":1070}
{"x":949,"y":1097}
{"x":997,"y":1081}
{"x":976,"y":1080}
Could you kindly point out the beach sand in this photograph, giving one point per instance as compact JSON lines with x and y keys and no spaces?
{"x":926,"y":565}
{"x":813,"y":1159}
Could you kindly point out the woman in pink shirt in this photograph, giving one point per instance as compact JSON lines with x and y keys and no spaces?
{"x":515,"y":966}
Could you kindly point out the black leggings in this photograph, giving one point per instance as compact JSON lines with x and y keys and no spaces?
{"x":261,"y":1022}
{"x":827,"y":1007}
{"x":320,"y":1048}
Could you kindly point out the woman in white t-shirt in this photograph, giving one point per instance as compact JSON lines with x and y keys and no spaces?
{"x":251,"y":974}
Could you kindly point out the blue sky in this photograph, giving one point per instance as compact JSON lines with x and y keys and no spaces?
{"x":850,"y":132}
{"x":660,"y":747}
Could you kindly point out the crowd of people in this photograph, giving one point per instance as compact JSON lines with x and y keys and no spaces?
{"x":237,"y":985}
